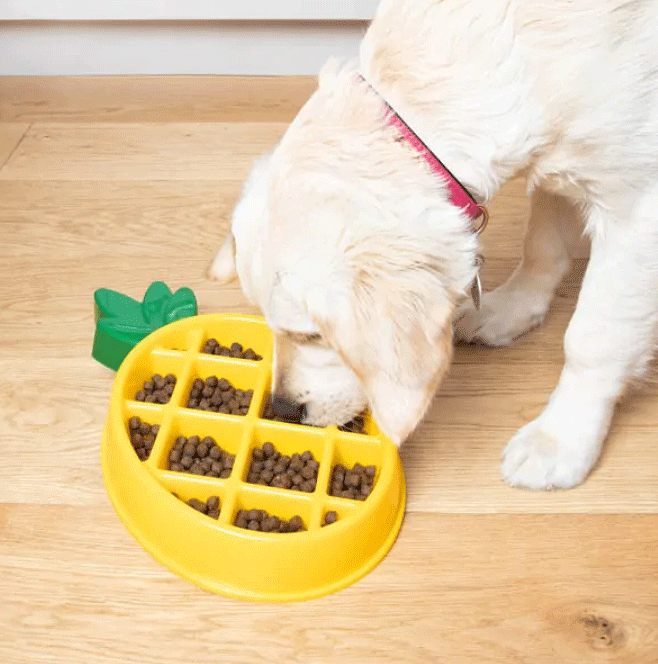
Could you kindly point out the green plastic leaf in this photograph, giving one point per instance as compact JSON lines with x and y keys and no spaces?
{"x":181,"y":305}
{"x":110,"y":304}
{"x":154,"y":303}
{"x":123,"y":331}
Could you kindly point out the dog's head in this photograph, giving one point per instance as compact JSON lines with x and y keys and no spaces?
{"x":349,"y":246}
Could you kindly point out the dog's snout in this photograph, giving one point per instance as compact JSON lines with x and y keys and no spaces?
{"x":288,"y":410}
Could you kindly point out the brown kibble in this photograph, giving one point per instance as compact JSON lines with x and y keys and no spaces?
{"x":307,"y":486}
{"x":257,"y":467}
{"x":286,"y":481}
{"x":168,"y":390}
{"x":253,"y":525}
{"x":140,"y":396}
{"x":134,"y":423}
{"x":330,"y":517}
{"x":365,"y":489}
{"x":249,"y":354}
{"x":224,"y":474}
{"x":198,"y":385}
{"x":307,"y":473}
{"x":313,"y":465}
{"x":297,"y":479}
{"x":137,"y":440}
{"x":141,"y":453}
{"x":241,"y":520}
{"x":189,"y":448}
{"x":269,"y":464}
{"x":158,"y":381}
{"x":307,"y":456}
{"x":148,"y":386}
{"x":215,"y":452}
{"x":268,"y":450}
{"x":296,"y":523}
{"x":170,"y":379}
{"x":192,"y":403}
{"x":370,"y":471}
{"x":187,"y":461}
{"x":202,"y":450}
{"x":176,"y":467}
{"x":144,"y":428}
{"x":213,"y":514}
{"x":352,"y":480}
{"x":197,"y":505}
{"x":213,"y":502}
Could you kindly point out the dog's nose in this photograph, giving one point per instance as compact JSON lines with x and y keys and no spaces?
{"x":288,"y":410}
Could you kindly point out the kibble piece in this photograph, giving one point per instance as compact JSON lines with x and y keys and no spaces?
{"x":296,"y":523}
{"x":187,"y":461}
{"x":213,"y":502}
{"x":307,"y":473}
{"x":253,"y":525}
{"x":352,"y":480}
{"x":241,"y":520}
{"x":140,"y":396}
{"x":134,"y":422}
{"x":268,"y":450}
{"x":297,"y":479}
{"x":307,"y":456}
{"x":214,"y":514}
{"x":215,"y":452}
{"x":224,"y":474}
{"x":176,"y":467}
{"x":249,"y":354}
{"x":329,"y":518}
{"x":370,"y":471}
{"x":197,"y":505}
{"x":170,"y":379}
{"x":202,"y":450}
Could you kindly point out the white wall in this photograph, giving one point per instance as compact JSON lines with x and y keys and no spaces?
{"x":91,"y":37}
{"x":235,"y":48}
{"x":153,"y":10}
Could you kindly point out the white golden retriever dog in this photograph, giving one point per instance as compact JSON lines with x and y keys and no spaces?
{"x":351,"y":246}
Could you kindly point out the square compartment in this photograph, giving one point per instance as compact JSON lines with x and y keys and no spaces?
{"x":354,"y":449}
{"x":154,"y":363}
{"x":275,"y":504}
{"x":287,"y":439}
{"x":243,"y":375}
{"x":149,"y":413}
{"x":227,"y":433}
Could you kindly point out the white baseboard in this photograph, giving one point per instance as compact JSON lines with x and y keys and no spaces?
{"x":229,"y":48}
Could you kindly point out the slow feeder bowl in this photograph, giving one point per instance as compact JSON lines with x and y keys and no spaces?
{"x":215,"y":554}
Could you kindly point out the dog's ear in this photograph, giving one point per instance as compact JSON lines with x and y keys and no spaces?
{"x":396,"y":335}
{"x":222,"y":268}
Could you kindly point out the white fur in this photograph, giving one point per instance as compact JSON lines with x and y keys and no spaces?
{"x":345,"y":234}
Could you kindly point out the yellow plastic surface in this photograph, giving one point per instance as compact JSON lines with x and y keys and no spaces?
{"x":214,"y":554}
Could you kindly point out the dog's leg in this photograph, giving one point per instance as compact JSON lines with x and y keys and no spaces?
{"x":523,"y":300}
{"x":609,"y":341}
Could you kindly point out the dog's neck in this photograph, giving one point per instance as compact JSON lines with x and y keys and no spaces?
{"x":473,"y":104}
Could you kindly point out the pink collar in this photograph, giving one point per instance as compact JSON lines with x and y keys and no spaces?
{"x":459,"y":196}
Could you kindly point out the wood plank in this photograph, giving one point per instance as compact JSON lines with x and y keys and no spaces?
{"x":153,"y":98}
{"x":175,"y":151}
{"x":11,"y":134}
{"x":459,"y":589}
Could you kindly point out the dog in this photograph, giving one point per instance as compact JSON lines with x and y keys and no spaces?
{"x":348,"y":240}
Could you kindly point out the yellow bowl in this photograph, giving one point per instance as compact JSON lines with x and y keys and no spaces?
{"x":215,"y":554}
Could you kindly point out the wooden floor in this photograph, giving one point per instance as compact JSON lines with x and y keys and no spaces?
{"x":120,"y":182}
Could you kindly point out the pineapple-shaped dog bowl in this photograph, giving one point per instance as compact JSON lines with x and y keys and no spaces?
{"x":209,"y":549}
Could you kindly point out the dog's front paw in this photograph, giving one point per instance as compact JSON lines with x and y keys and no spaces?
{"x":537,"y":459}
{"x":504,"y":314}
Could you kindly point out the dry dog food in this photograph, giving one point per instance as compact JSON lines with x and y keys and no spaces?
{"x":355,"y":425}
{"x":219,"y":396}
{"x":298,"y":472}
{"x":157,"y":389}
{"x":213,"y":347}
{"x":355,"y":483}
{"x":200,"y":457}
{"x":211,"y":507}
{"x":142,"y":436}
{"x":261,"y":520}
{"x":329,"y":518}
